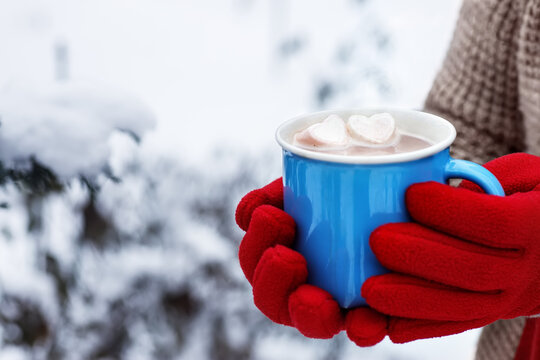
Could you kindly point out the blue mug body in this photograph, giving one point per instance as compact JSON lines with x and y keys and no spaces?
{"x":337,"y":205}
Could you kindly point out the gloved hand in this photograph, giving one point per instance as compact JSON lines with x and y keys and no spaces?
{"x":470,"y":258}
{"x":278,"y":275}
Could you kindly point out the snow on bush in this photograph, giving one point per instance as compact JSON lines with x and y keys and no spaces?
{"x":66,"y":126}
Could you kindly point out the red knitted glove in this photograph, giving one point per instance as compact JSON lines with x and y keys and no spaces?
{"x":278,"y":275}
{"x":469,"y":260}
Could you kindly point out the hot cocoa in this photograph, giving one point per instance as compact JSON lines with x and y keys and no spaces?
{"x":360,"y":136}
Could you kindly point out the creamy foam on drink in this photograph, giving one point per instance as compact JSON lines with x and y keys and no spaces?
{"x":361,"y":135}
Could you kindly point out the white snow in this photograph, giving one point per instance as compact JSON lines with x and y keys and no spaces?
{"x":66,"y":126}
{"x":13,"y":353}
{"x":20,"y":270}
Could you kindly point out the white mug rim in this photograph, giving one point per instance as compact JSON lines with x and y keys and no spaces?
{"x":367,"y":159}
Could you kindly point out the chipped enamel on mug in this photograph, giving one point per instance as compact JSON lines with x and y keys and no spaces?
{"x":338,"y":200}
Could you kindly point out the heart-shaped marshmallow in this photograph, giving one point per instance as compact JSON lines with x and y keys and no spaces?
{"x":330,"y":133}
{"x":377,"y":128}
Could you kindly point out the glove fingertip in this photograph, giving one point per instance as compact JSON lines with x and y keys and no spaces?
{"x":381,"y":235}
{"x":277,"y":218}
{"x":401,"y":331}
{"x":279,"y":272}
{"x":245,"y":208}
{"x":269,"y":226}
{"x":271,"y":194}
{"x":366,"y":327}
{"x":315,"y":313}
{"x":368,"y":285}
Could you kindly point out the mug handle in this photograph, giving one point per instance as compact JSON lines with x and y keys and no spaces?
{"x":462,"y":169}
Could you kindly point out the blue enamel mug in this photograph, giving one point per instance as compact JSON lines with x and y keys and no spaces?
{"x":338,"y":200}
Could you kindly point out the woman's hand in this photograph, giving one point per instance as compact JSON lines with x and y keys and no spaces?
{"x":278,"y":275}
{"x":468,"y":260}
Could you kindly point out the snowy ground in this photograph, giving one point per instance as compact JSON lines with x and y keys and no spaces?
{"x":223,"y":74}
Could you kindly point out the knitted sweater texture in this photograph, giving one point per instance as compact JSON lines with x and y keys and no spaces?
{"x":489,"y":88}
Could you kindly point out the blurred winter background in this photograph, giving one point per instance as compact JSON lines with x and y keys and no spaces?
{"x":130,"y":130}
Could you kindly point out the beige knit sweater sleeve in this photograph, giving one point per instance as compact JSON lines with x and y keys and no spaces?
{"x":489,"y":88}
{"x":489,"y":84}
{"x":528,"y":64}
